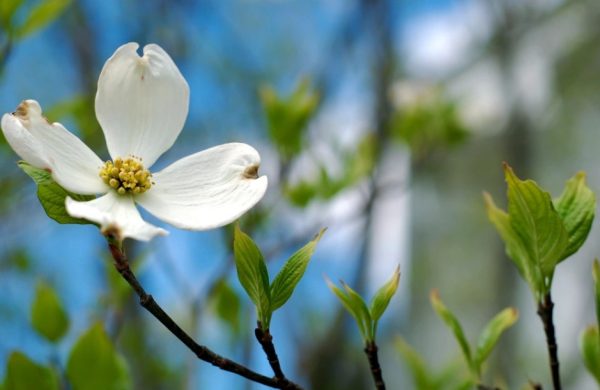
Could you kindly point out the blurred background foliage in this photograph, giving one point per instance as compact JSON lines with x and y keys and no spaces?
{"x":383,"y":120}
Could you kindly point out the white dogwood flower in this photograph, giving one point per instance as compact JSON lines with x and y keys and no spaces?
{"x":141,"y":105}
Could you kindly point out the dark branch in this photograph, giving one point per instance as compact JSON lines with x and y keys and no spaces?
{"x":203,"y":353}
{"x":545,"y":308}
{"x":371,"y":351}
{"x":481,"y":386}
{"x":266,"y":342}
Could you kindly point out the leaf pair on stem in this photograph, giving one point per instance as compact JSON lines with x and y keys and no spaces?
{"x":266,"y":296}
{"x":367,"y":318}
{"x":254,"y":277}
{"x":475,"y":357}
{"x":539,"y":233}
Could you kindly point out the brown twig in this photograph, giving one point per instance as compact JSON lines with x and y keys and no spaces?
{"x":266,"y":342}
{"x":545,"y":308}
{"x":203,"y":353}
{"x":371,"y":351}
{"x":481,"y":386}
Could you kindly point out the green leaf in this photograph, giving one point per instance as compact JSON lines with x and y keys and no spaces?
{"x":94,"y":364}
{"x":252,"y":273}
{"x":7,"y":10}
{"x":596,"y":276}
{"x":48,"y":316}
{"x":17,"y":259}
{"x":536,"y":222}
{"x":451,"y":321}
{"x":226,"y":304}
{"x":590,"y":350}
{"x":514,"y":246}
{"x":361,"y":307}
{"x":534,"y":233}
{"x":52,"y":195}
{"x":40,"y":176}
{"x":286,"y":280}
{"x":44,"y":13}
{"x":361,"y":162}
{"x":24,"y":374}
{"x":422,"y":379}
{"x":383,"y":296}
{"x":357,"y":308}
{"x":288,"y":117}
{"x":357,"y":164}
{"x":492,"y":332}
{"x":466,"y":384}
{"x":301,"y":193}
{"x":428,"y":124}
{"x":576,"y":207}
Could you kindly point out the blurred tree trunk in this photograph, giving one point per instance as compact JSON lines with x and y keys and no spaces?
{"x":518,"y":151}
{"x":332,"y":361}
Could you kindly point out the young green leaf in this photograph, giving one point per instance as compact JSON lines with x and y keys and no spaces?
{"x":534,"y":219}
{"x":7,"y":10}
{"x":286,"y":280}
{"x":596,"y":275}
{"x":48,"y":316}
{"x":515,"y":249}
{"x":491,"y":333}
{"x":252,"y":273}
{"x":428,"y":123}
{"x":576,"y":207}
{"x":287,"y":117}
{"x":42,"y":14}
{"x":590,"y":349}
{"x":94,"y":364}
{"x":451,"y":321}
{"x":361,"y":307}
{"x":39,"y":176}
{"x":422,"y":379}
{"x":382,"y":297}
{"x":354,"y":307}
{"x":52,"y":195}
{"x":24,"y":374}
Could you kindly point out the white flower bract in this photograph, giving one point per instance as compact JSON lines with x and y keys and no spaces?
{"x":141,"y":105}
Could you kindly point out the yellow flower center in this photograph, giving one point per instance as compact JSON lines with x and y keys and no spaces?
{"x":126,"y":176}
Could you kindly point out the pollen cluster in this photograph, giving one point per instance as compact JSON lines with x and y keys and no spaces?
{"x":126,"y":176}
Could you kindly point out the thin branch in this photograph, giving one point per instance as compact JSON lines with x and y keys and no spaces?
{"x":5,"y":52}
{"x":545,"y":308}
{"x":266,"y":342}
{"x":203,"y":353}
{"x":481,"y":386}
{"x":371,"y":351}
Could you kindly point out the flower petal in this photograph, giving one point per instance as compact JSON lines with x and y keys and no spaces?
{"x":207,"y":189}
{"x":117,"y":212}
{"x":23,"y":142}
{"x":74,"y":166}
{"x":142,"y":102}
